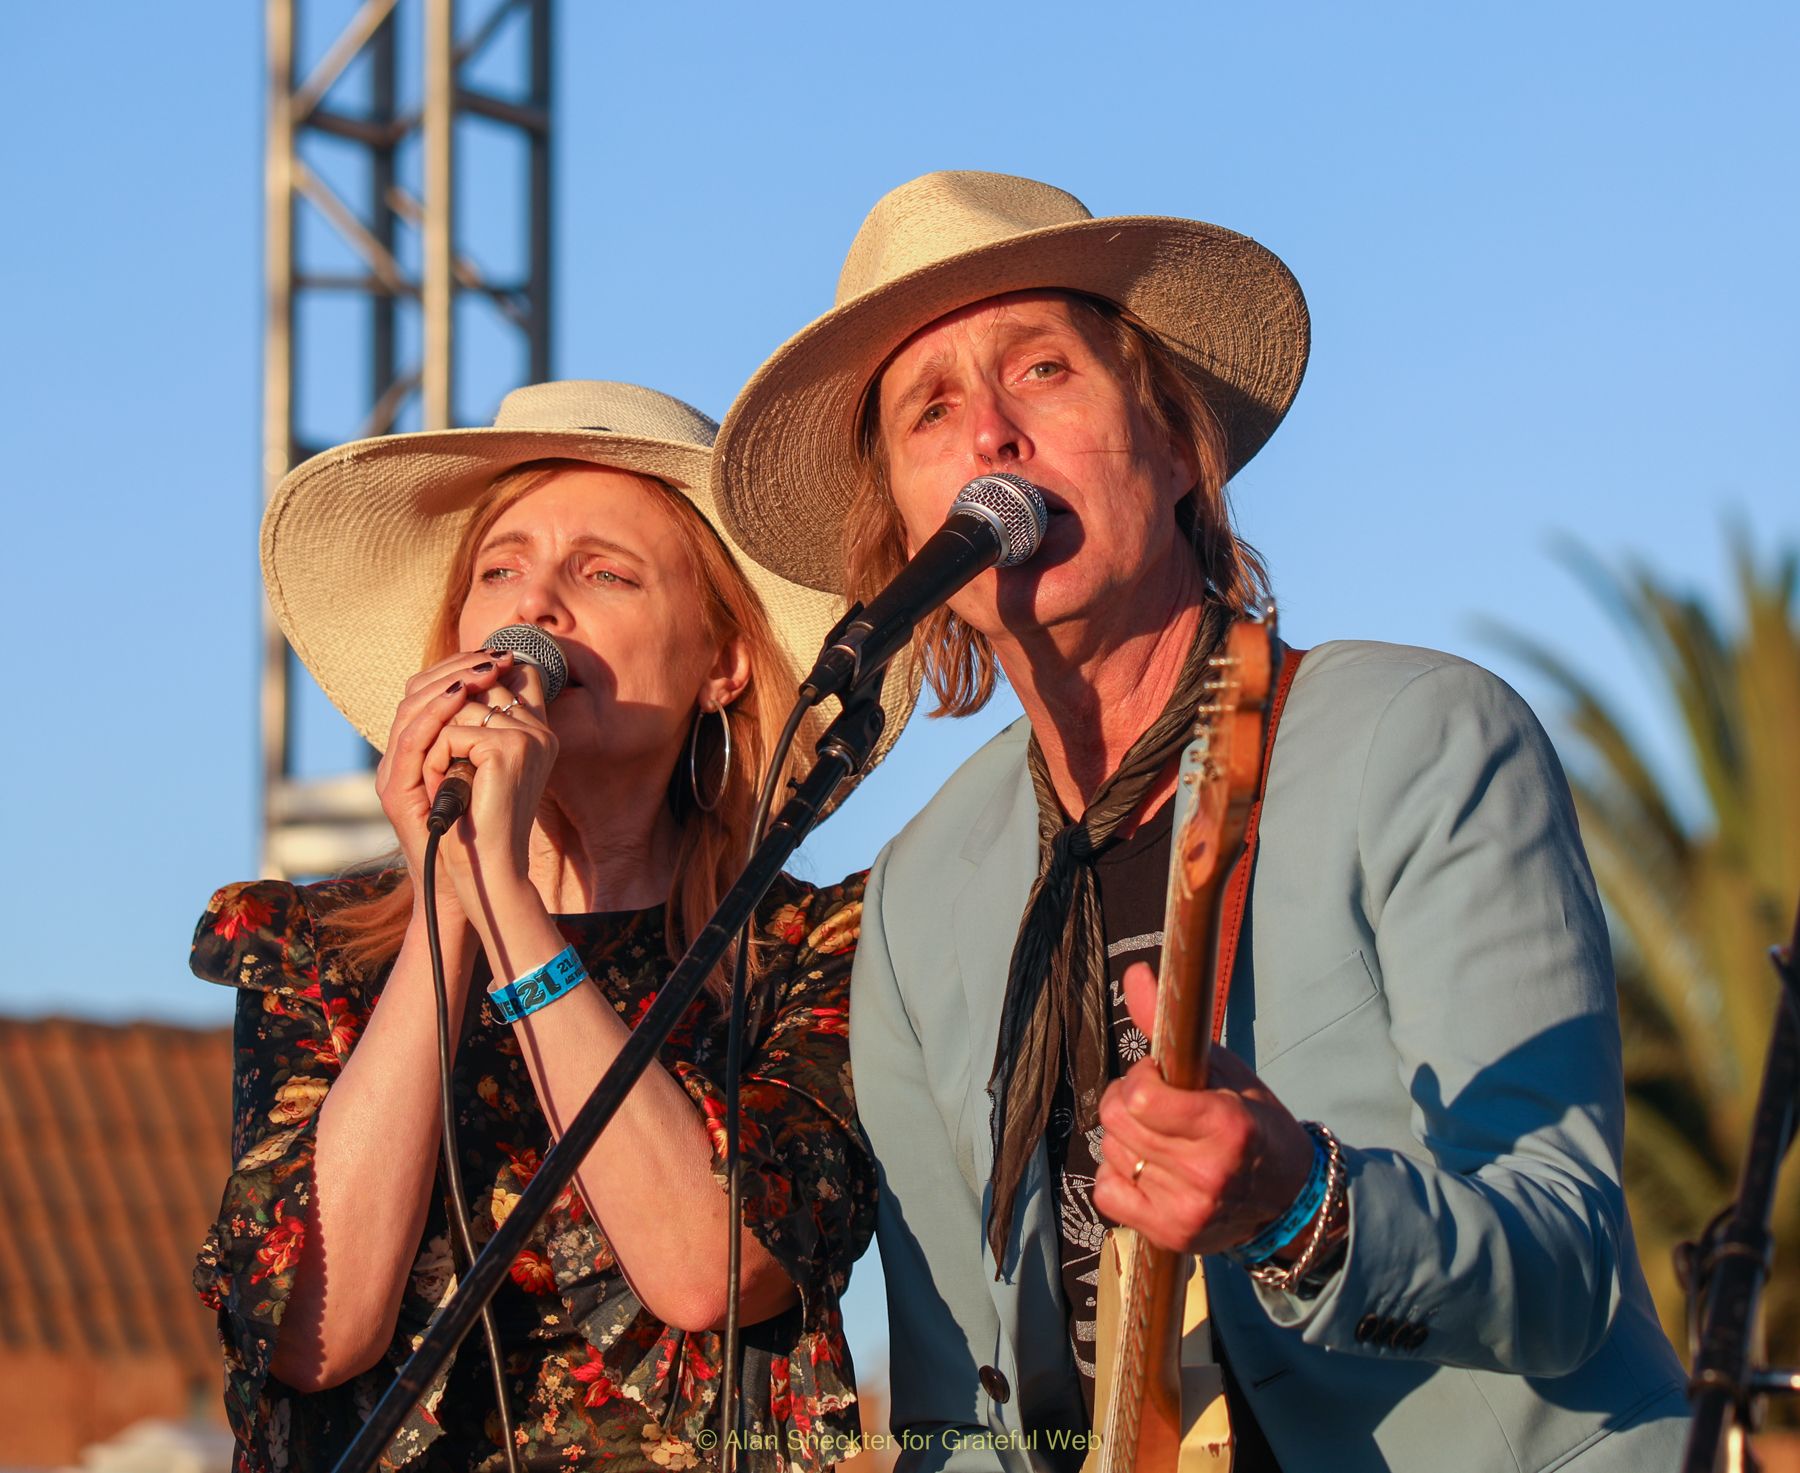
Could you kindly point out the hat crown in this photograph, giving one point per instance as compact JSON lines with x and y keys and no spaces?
{"x":945,"y":214}
{"x":613,"y":408}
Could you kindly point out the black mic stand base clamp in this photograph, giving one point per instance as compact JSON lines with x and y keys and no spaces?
{"x":1726,"y":1270}
{"x":845,"y":749}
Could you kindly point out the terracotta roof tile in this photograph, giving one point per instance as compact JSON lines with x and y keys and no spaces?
{"x":114,"y":1147}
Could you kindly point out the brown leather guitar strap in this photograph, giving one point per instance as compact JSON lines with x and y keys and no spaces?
{"x":1237,"y":892}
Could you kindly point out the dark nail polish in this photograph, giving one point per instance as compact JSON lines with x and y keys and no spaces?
{"x":484,"y":667}
{"x":454,"y":689}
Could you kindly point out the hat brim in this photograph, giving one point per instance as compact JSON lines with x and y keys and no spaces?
{"x":1227,"y":307}
{"x":357,"y":542}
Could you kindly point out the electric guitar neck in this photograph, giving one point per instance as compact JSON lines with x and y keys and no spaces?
{"x":1159,"y":1395}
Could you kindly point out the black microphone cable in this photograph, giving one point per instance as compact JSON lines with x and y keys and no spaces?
{"x":730,"y":1399}
{"x":534,"y":646}
{"x":459,"y":1206}
{"x":1008,"y":521}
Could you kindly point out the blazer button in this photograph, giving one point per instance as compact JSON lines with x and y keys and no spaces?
{"x":994,"y":1383}
{"x":1413,"y":1338}
{"x":1368,"y":1327}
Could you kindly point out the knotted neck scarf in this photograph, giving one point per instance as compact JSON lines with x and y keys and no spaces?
{"x":1054,"y":1018}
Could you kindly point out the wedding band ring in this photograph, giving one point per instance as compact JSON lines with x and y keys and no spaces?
{"x":494,"y":711}
{"x":1138,"y":1170}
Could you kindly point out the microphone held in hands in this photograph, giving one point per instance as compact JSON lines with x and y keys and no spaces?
{"x":531,"y":645}
{"x":996,"y":520}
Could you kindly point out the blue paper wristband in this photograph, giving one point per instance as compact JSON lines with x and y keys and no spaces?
{"x":540,"y":987}
{"x":1278,"y":1234}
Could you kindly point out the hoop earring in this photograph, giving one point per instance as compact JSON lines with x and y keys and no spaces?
{"x":694,"y":759}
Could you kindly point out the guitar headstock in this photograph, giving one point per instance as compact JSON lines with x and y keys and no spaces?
{"x":1220,"y":769}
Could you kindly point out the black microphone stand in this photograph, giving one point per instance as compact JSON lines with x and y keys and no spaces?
{"x":844,"y":749}
{"x":1725,"y":1271}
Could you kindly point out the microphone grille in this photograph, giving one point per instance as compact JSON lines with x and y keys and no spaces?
{"x":531,"y":644}
{"x":1015,"y":506}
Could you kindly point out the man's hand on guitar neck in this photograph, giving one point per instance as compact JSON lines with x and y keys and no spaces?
{"x":1196,"y":1171}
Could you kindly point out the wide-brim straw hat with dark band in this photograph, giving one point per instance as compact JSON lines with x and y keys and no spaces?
{"x":357,"y":541}
{"x":1227,"y":308}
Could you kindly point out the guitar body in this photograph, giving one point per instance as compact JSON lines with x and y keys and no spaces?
{"x":1159,"y":1395}
{"x":1185,"y":1426}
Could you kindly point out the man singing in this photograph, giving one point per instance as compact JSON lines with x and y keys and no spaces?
{"x":1435,"y":1270}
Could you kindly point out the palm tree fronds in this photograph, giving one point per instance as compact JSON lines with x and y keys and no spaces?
{"x":1693,"y":905}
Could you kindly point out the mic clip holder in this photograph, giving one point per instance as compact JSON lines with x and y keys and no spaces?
{"x":844,"y":749}
{"x":839,"y":662}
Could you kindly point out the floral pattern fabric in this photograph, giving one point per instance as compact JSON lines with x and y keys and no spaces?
{"x":593,"y":1379}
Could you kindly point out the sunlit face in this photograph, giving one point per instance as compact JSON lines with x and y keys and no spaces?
{"x":594,"y":558}
{"x":1021,"y":383}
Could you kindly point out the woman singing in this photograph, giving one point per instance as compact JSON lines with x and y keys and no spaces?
{"x":602,"y":829}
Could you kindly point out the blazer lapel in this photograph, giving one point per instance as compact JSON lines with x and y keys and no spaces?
{"x":1002,"y":849}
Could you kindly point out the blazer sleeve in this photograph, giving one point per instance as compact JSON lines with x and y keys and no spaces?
{"x":927,"y":1224}
{"x":1499,"y":1244}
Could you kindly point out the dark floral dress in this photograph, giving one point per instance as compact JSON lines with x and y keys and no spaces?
{"x":594,"y":1380}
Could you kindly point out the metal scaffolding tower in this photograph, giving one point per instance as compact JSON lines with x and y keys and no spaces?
{"x":364,"y":192}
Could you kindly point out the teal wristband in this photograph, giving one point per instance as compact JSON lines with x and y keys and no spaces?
{"x":540,"y":987}
{"x":1278,"y":1234}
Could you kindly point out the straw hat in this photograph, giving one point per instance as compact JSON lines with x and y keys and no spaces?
{"x":357,"y":542}
{"x":1227,"y":308}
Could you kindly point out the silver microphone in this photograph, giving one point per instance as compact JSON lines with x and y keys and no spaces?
{"x":528,"y":643}
{"x":1013,"y":507}
{"x":996,"y":521}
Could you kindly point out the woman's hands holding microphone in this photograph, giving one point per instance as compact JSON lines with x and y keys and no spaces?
{"x":487,"y":708}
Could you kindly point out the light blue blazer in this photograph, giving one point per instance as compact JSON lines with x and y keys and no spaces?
{"x":1425,"y":969}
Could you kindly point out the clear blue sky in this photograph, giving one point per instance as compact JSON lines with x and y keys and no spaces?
{"x":1549,"y":251}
